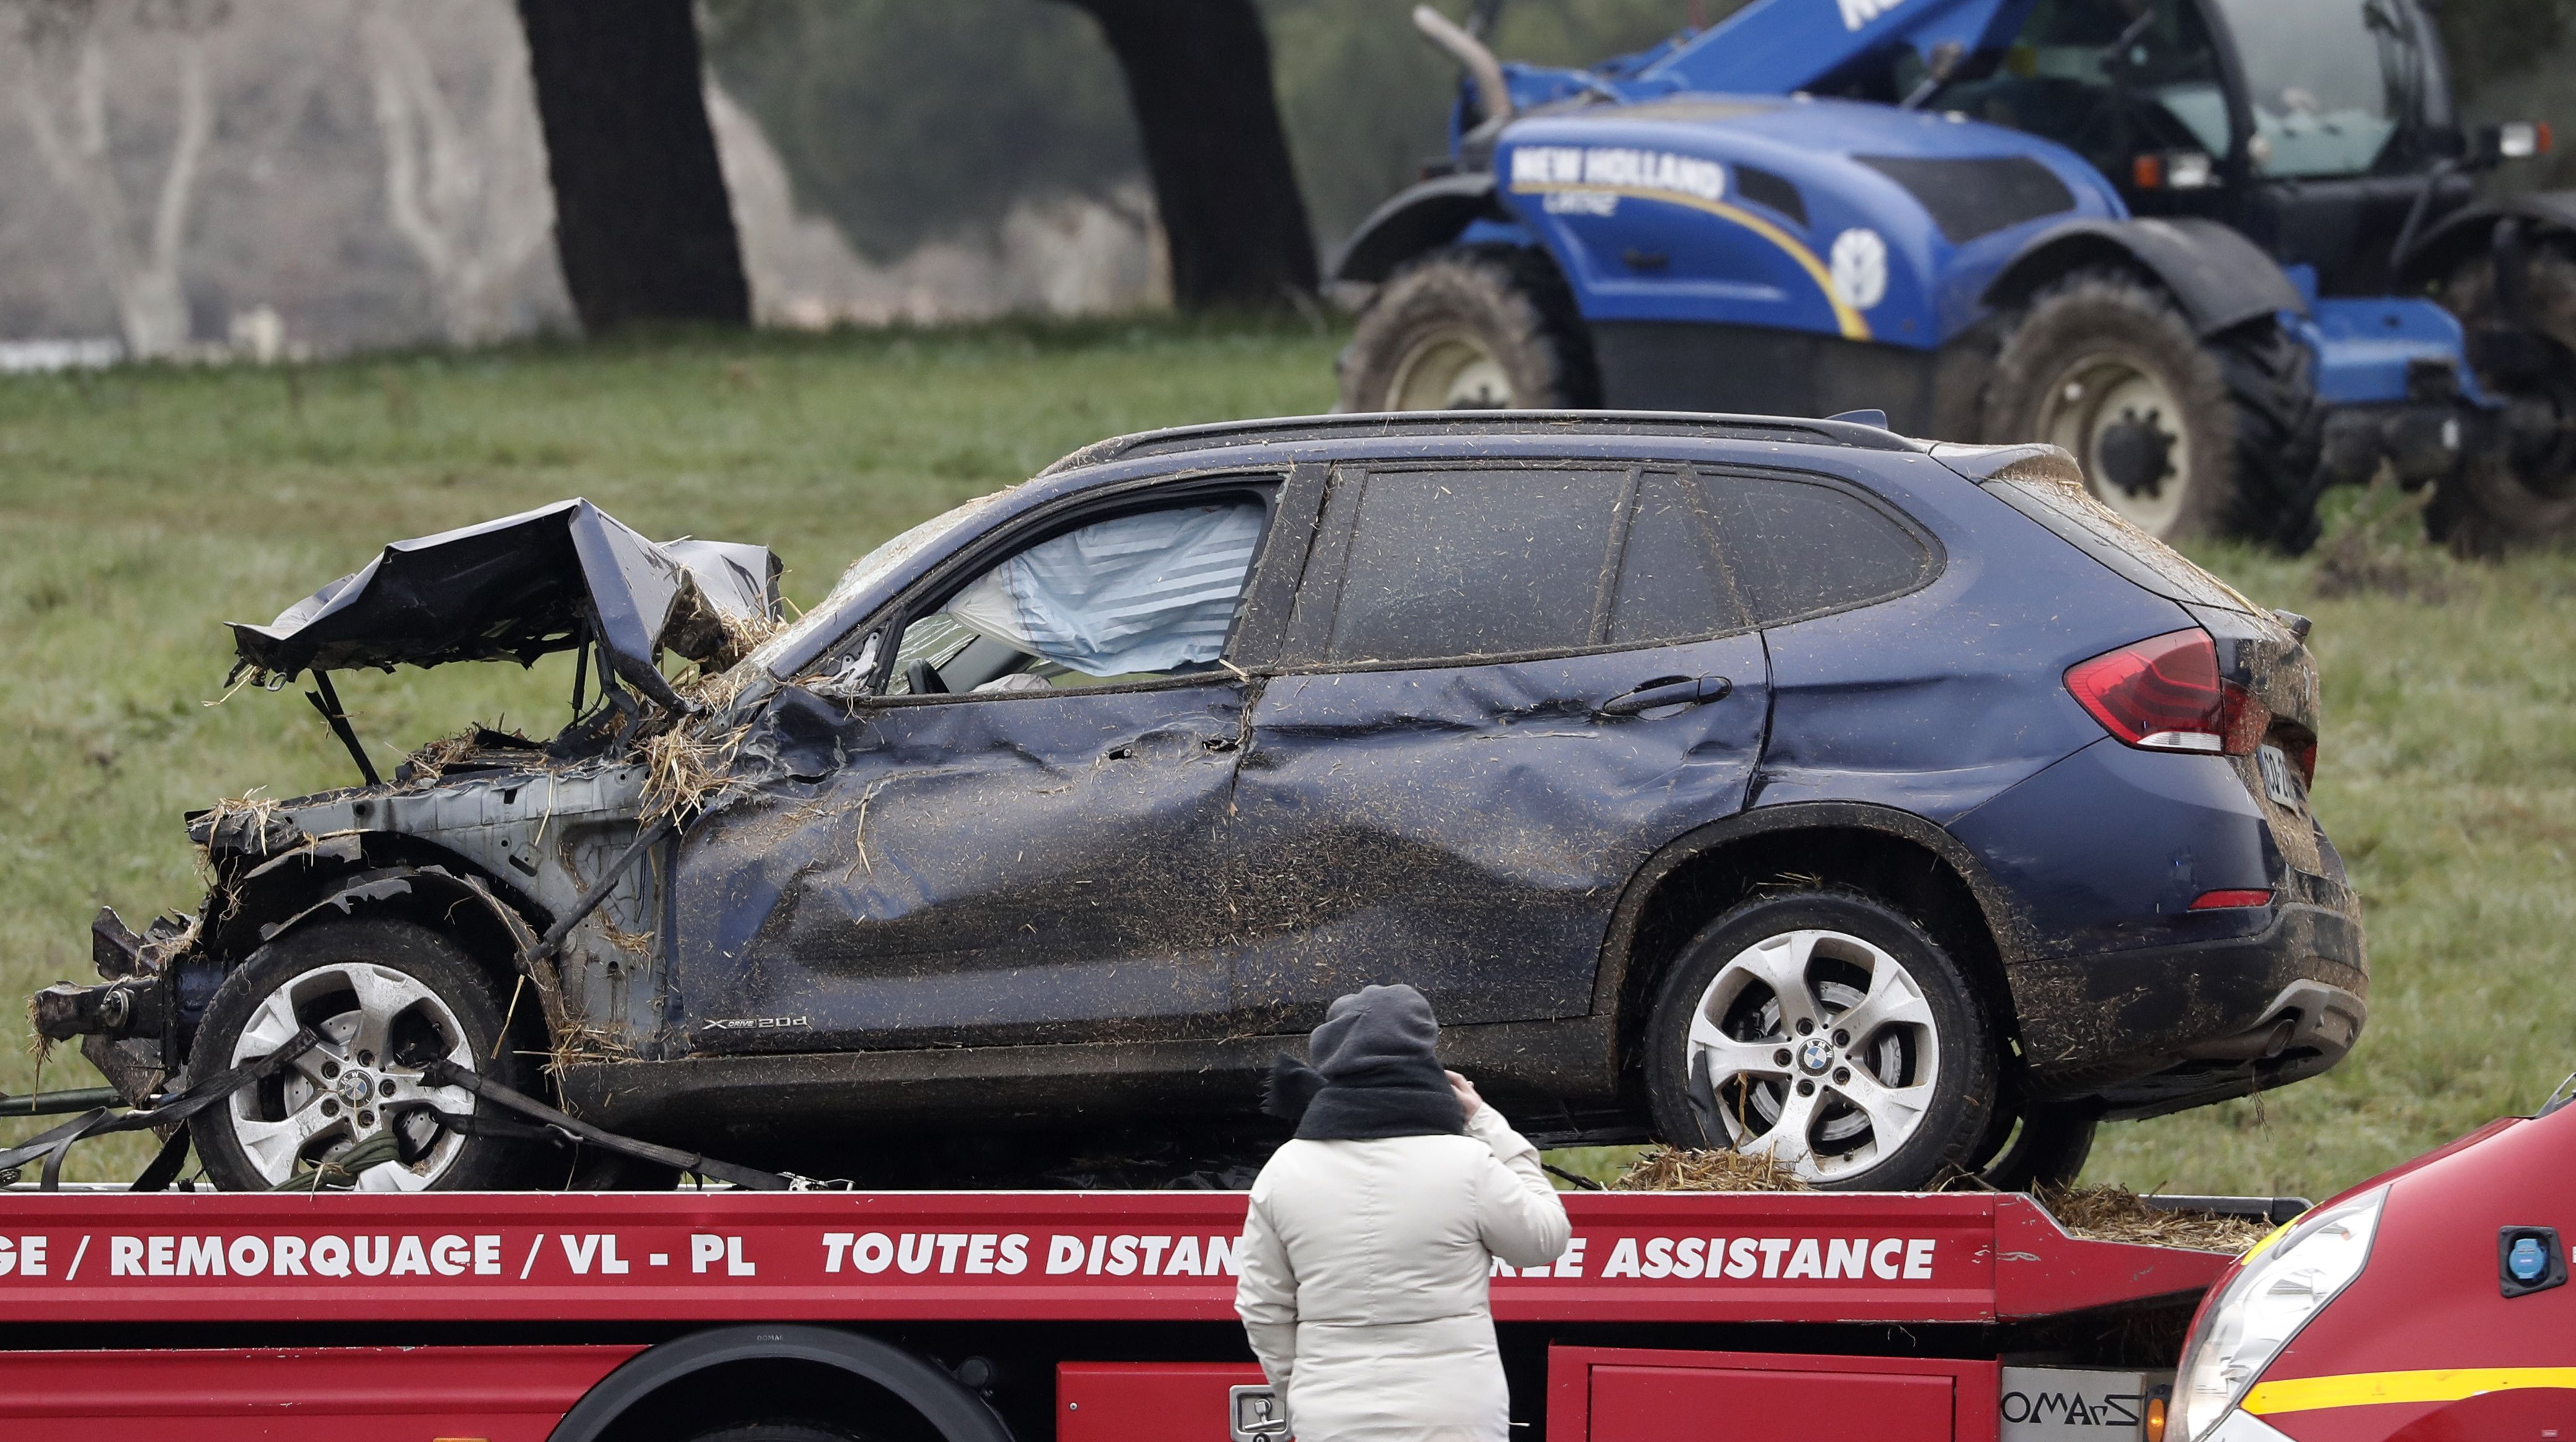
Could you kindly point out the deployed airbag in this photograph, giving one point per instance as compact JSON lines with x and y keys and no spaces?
{"x":1139,"y":593}
{"x":517,"y":588}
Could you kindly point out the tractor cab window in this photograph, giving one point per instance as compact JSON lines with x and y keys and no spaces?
{"x":2107,"y":79}
{"x":1134,"y":598}
{"x":2329,"y":81}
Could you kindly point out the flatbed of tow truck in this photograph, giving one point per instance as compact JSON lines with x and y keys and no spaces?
{"x":989,"y":1316}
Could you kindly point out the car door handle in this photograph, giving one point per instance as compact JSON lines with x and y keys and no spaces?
{"x":1669,"y":691}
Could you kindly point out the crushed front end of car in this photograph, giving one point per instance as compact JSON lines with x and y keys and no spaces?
{"x":529,"y":856}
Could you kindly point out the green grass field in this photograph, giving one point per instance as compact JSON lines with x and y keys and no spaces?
{"x":141,"y":508}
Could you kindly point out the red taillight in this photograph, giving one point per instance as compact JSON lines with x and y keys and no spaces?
{"x":2165,"y":694}
{"x":2223,"y":900}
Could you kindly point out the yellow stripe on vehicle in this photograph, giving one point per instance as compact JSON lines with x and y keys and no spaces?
{"x":2265,"y":1245}
{"x":1854,"y":325}
{"x":2369,"y":1389}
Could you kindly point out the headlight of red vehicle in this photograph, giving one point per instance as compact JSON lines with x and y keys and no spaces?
{"x":2283,"y":1282}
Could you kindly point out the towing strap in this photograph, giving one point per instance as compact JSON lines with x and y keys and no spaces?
{"x":99,"y":1121}
{"x":443,"y":1072}
{"x":341,"y":1168}
{"x":175,"y":1111}
{"x":165,"y":1164}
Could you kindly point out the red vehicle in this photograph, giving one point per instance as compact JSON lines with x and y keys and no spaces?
{"x":2427,"y":1304}
{"x":990,"y":1316}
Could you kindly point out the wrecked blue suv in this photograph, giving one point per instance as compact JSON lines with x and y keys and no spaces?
{"x":1785,"y":786}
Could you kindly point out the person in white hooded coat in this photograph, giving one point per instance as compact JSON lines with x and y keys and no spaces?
{"x":1371,"y":1235}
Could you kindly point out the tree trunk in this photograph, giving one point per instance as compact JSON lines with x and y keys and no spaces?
{"x":468,"y":199}
{"x":641,"y":220}
{"x":1198,"y":77}
{"x":151,"y":304}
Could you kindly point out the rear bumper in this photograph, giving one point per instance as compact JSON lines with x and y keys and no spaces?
{"x":2160,"y":1029}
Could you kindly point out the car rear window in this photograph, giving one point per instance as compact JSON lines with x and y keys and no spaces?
{"x":1670,"y":585}
{"x":1475,"y":563}
{"x":1797,"y":548}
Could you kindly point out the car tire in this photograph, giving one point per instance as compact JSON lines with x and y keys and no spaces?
{"x":2049,"y":1145}
{"x":2494,"y":505}
{"x":385,"y":994}
{"x":2183,"y":439}
{"x":1776,"y":978}
{"x":1486,"y":328}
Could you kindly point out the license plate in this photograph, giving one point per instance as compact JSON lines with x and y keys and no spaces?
{"x":2280,"y":780}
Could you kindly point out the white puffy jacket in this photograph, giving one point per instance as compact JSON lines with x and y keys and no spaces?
{"x":1364,"y":1269}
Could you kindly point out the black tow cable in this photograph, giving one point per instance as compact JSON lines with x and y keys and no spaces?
{"x":99,"y":1121}
{"x":442,"y":1072}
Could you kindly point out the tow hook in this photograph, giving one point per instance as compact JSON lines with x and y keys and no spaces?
{"x":134,"y":1006}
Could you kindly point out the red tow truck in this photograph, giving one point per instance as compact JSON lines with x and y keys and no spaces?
{"x":990,"y":1316}
{"x":2429,"y":1304}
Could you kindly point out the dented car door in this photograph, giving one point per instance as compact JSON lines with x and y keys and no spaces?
{"x":1503,"y":689}
{"x":982,"y":869}
{"x":1028,"y":861}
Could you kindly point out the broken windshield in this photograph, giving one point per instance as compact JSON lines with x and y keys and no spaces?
{"x":821,"y":625}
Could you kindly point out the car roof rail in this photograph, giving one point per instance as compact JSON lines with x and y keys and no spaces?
{"x":1434,"y":424}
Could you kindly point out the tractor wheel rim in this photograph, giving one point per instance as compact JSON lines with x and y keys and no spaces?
{"x":1449,"y":371}
{"x":2096,"y":397}
{"x":1817,"y":1048}
{"x":349,"y":1090}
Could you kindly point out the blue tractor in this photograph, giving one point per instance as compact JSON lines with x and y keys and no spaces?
{"x":2227,"y":252}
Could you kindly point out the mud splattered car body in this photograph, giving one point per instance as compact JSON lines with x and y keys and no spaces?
{"x":1526,"y":710}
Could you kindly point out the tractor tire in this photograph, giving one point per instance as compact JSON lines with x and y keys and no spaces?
{"x":2272,"y":379}
{"x":2496,"y":504}
{"x":1831,"y":1031}
{"x":2185,"y":439}
{"x":385,"y":995}
{"x":1487,"y":328}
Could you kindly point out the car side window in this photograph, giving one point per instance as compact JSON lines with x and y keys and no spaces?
{"x":1670,"y":586}
{"x":1797,"y":548}
{"x":1138,"y":597}
{"x":1451,"y":564}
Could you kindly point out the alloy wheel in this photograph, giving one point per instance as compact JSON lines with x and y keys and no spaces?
{"x":362,"y":1083}
{"x":1816,"y":1047}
